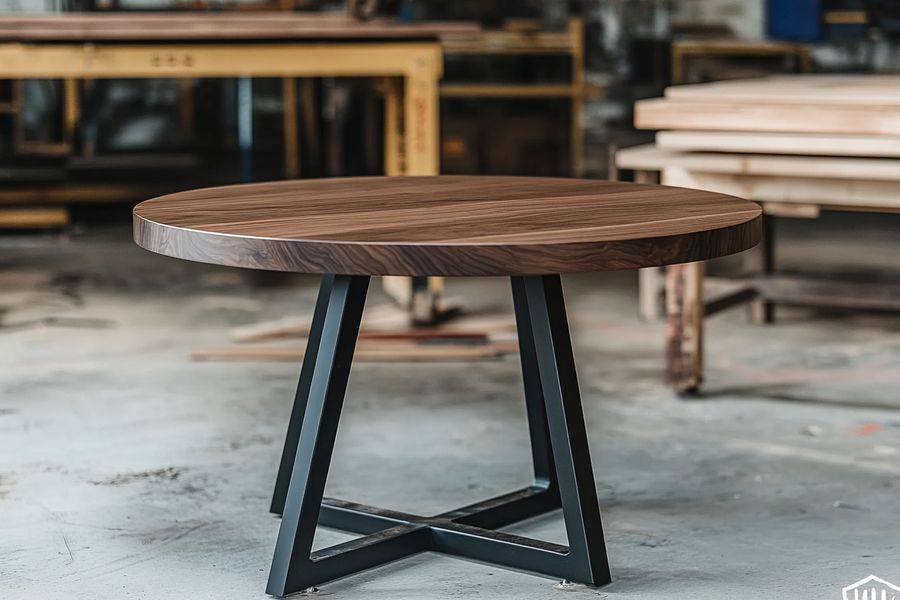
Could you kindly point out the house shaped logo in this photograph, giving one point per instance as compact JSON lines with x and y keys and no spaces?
{"x":872,"y":588}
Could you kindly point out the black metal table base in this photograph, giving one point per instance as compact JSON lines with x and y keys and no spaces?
{"x":563,"y":477}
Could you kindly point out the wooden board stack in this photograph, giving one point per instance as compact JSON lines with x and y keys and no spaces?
{"x":808,"y":139}
{"x":798,"y":144}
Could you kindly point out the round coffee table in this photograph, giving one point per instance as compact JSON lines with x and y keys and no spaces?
{"x":531,"y":229}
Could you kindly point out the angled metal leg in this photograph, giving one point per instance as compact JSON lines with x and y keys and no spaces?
{"x":541,"y":450}
{"x":559,"y":384}
{"x":340,"y":328}
{"x":296,"y":419}
{"x":543,"y":495}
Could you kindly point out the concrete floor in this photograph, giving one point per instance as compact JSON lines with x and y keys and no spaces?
{"x":128,"y":471}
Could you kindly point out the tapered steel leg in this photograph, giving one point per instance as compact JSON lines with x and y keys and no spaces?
{"x":541,"y":453}
{"x":559,"y":384}
{"x":562,"y":466}
{"x":296,"y":420}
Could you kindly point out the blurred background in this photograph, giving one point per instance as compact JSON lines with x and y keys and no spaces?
{"x":553,"y":105}
{"x":743,"y":404}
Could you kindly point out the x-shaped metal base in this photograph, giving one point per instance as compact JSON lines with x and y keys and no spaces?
{"x":562,"y":466}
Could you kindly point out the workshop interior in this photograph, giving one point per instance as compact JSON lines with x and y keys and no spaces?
{"x":408,"y":299}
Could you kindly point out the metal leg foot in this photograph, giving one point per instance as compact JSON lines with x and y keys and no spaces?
{"x":586,"y":561}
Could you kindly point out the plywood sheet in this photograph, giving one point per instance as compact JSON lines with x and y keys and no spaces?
{"x":661,"y":113}
{"x":779,"y":143}
{"x":843,"y":194}
{"x":650,"y":157}
{"x":881,"y":91}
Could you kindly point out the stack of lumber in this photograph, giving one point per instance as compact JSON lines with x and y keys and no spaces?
{"x":800,"y":139}
{"x":798,"y":144}
{"x":825,"y":104}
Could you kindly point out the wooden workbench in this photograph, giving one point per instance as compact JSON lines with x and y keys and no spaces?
{"x":797,"y":144}
{"x":227,"y":45}
{"x":407,"y":56}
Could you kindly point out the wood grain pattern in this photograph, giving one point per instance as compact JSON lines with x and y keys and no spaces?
{"x":109,"y":27}
{"x":447,"y":225}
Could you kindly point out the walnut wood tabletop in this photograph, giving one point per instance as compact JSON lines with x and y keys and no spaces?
{"x":445,"y":225}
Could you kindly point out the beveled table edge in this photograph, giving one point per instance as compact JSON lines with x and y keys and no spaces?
{"x":435,"y":259}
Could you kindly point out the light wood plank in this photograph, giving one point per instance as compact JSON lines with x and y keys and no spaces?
{"x":779,"y":143}
{"x":365,"y":352}
{"x":879,"y":91}
{"x":661,"y":113}
{"x":650,"y":157}
{"x":834,"y":194}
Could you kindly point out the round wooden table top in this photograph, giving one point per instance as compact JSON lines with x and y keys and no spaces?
{"x":446,"y":225}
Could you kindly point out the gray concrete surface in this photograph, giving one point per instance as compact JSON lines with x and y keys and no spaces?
{"x":128,"y":471}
